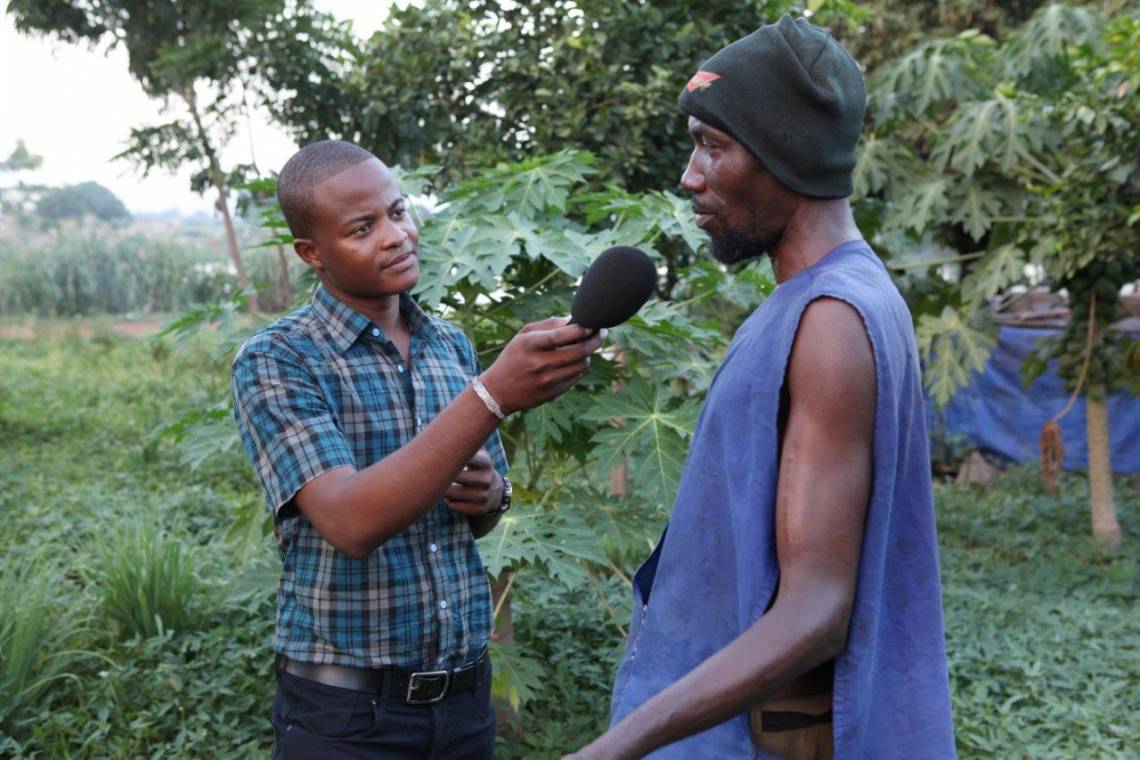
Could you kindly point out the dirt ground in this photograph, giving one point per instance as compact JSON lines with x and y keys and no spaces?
{"x":85,"y":328}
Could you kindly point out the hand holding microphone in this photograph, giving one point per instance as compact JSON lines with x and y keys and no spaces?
{"x":545,"y":359}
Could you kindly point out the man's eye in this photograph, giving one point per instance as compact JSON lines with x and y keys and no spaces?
{"x":363,"y":229}
{"x":398,"y":213}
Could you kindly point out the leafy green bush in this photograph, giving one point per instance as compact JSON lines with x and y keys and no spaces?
{"x":146,"y":581}
{"x":37,"y":634}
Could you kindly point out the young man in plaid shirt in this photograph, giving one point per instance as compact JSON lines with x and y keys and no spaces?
{"x":373,"y":434}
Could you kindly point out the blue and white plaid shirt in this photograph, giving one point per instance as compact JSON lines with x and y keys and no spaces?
{"x":323,"y":388}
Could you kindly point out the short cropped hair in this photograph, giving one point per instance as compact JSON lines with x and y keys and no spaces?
{"x":309,"y":167}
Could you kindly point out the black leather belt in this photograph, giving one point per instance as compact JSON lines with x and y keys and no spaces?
{"x":775,"y":721}
{"x":420,"y":688}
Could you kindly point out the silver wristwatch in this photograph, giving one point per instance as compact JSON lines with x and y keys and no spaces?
{"x":505,"y":504}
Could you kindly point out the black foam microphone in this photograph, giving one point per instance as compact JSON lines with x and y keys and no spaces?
{"x":615,"y":286}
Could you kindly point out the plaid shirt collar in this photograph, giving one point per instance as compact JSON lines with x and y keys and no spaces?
{"x":345,"y":324}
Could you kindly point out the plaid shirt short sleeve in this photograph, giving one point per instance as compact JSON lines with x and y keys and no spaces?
{"x":289,"y":428}
{"x":323,"y":388}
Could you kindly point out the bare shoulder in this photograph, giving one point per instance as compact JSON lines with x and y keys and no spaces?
{"x":832,"y":356}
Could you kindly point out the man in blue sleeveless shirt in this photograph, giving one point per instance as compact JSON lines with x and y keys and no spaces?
{"x":793,"y":606}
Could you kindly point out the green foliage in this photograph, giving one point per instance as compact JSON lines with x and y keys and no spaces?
{"x":517,"y":678}
{"x":208,"y":59}
{"x":894,"y":28}
{"x":146,"y":581}
{"x":653,"y":428}
{"x":93,"y":270}
{"x":954,"y":351}
{"x":82,"y":200}
{"x":507,"y":247}
{"x":1096,"y":201}
{"x":1040,"y":633}
{"x":578,"y":636}
{"x":20,"y":159}
{"x":1019,"y":153}
{"x":1039,"y":624}
{"x":77,"y":472}
{"x":36,"y":633}
{"x":552,"y":544}
{"x":469,"y":84}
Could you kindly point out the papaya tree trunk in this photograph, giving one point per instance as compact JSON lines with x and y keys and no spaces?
{"x":1105,"y":527}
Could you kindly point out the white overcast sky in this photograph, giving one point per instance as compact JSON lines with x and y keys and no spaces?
{"x":75,"y":107}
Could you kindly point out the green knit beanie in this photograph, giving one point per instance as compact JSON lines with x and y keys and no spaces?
{"x":793,"y":97}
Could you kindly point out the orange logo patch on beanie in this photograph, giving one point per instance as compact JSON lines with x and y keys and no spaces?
{"x":702,"y":80}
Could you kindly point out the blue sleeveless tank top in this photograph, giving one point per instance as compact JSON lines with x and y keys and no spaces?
{"x":714,"y":571}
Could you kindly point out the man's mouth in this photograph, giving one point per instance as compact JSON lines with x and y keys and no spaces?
{"x":399,"y":262}
{"x":704,"y":214}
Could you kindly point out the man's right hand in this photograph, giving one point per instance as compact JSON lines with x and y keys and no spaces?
{"x":543,"y":361}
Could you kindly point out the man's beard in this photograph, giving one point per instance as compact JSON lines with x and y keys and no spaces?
{"x":733,"y":246}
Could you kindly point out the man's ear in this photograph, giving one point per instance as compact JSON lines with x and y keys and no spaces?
{"x":307,"y":250}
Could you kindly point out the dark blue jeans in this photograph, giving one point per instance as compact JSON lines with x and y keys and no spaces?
{"x":312,"y":721}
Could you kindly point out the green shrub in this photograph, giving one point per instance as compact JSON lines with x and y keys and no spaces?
{"x":36,"y":636}
{"x":147,"y":584}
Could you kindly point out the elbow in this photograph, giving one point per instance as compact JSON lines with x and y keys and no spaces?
{"x":358,"y":548}
{"x":354,"y":551}
{"x":833,"y":632}
{"x":354,"y":546}
{"x":833,"y":642}
{"x":821,"y":619}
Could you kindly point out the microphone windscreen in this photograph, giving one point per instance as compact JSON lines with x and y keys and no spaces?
{"x":615,"y":286}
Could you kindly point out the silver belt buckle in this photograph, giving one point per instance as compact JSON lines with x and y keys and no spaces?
{"x":428,"y":674}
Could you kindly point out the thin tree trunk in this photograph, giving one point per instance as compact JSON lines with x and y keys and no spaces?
{"x":504,"y":626}
{"x":223,"y":205}
{"x":1105,"y":527}
{"x":231,"y":237}
{"x":285,"y":287}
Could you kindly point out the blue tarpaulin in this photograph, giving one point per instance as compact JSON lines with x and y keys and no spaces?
{"x":1001,"y":417}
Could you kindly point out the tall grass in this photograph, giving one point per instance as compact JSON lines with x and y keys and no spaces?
{"x":89,"y":271}
{"x":36,"y":636}
{"x":147,"y":584}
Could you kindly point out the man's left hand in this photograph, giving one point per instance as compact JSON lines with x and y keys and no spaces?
{"x":477,"y":489}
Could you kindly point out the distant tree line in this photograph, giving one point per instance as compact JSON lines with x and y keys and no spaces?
{"x":49,"y":206}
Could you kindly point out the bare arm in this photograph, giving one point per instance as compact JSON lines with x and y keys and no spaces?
{"x":358,"y":510}
{"x":821,"y":503}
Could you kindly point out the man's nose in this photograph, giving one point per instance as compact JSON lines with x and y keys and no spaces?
{"x":391,"y":234}
{"x":692,"y":179}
